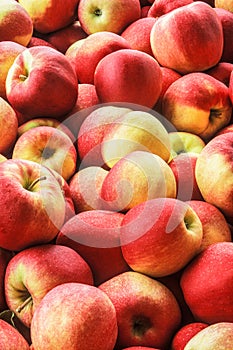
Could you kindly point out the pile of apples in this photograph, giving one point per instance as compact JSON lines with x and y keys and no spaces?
{"x":116,"y":175}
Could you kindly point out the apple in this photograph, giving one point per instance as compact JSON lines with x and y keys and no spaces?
{"x":51,"y":15}
{"x":2,"y":158}
{"x":222,"y":72}
{"x":87,"y":319}
{"x":208,"y":295}
{"x":96,"y":46}
{"x":95,"y":235}
{"x":15,"y":23}
{"x":214,"y":224}
{"x":35,"y":41}
{"x":161,"y":7}
{"x":42,"y":74}
{"x":231,"y":87}
{"x":10,"y":338}
{"x":214,"y":173}
{"x":134,"y":131}
{"x":137,"y":34}
{"x":224,"y":4}
{"x":154,"y":234}
{"x":147,"y":312}
{"x":226,"y":18}
{"x":197,"y":103}
{"x":129,"y":69}
{"x":9,"y":50}
{"x":215,"y":336}
{"x":144,"y":11}
{"x":5,"y":257}
{"x":197,"y":47}
{"x":185,"y":333}
{"x":137,"y":177}
{"x":32,"y":204}
{"x":8,"y":127}
{"x":48,"y":146}
{"x":85,"y":188}
{"x":87,"y":97}
{"x":185,"y":142}
{"x":34,"y":271}
{"x":111,"y":16}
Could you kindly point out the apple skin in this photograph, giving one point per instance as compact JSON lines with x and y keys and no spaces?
{"x":96,"y":46}
{"x":222,"y":72}
{"x":48,"y":146}
{"x":215,"y":336}
{"x":137,"y":177}
{"x":197,"y":103}
{"x":209,"y":297}
{"x":226,"y":18}
{"x":50,"y":15}
{"x":224,"y":4}
{"x":119,"y":74}
{"x":147,"y":312}
{"x":8,"y":127}
{"x":100,"y":15}
{"x":216,"y":186}
{"x":42,"y":74}
{"x":196,"y":48}
{"x":154,"y":233}
{"x":137,"y":34}
{"x":5,"y":257}
{"x":161,"y":7}
{"x":88,"y":319}
{"x":185,"y":333}
{"x":33,"y":194}
{"x":140,"y":348}
{"x":15,"y":24}
{"x":225,"y":130}
{"x":231,"y":87}
{"x":34,"y":271}
{"x":2,"y":158}
{"x":95,"y":235}
{"x":35,"y":41}
{"x":10,"y":338}
{"x":185,"y":142}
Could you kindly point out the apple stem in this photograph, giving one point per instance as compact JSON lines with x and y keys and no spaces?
{"x":25,"y":303}
{"x":36,"y":181}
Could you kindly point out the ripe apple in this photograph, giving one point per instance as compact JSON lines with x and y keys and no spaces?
{"x":154,"y":234}
{"x":35,"y":41}
{"x":144,"y":11}
{"x":226,"y":18}
{"x":95,"y":235}
{"x":197,"y":103}
{"x":34,"y":271}
{"x":48,"y":146}
{"x":112,"y":16}
{"x":51,"y":15}
{"x":208,"y":295}
{"x":8,"y":127}
{"x":222,"y":72}
{"x":185,"y":333}
{"x":32,"y":204}
{"x":214,"y":173}
{"x":224,"y":4}
{"x":185,"y":142}
{"x":87,"y":319}
{"x":5,"y":257}
{"x":10,"y":338}
{"x":215,"y":336}
{"x":161,"y":7}
{"x":42,"y":74}
{"x":135,"y":178}
{"x":129,"y":70}
{"x":147,"y":312}
{"x":197,"y":47}
{"x":87,"y":97}
{"x":15,"y":23}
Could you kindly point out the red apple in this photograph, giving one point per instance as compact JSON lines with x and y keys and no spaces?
{"x":87,"y":319}
{"x":10,"y":338}
{"x":226,"y":18}
{"x":222,"y":72}
{"x":8,"y":127}
{"x":185,"y":333}
{"x":5,"y":256}
{"x":35,"y":41}
{"x":161,"y":7}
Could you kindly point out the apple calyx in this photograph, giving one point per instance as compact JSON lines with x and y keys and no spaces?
{"x":97,"y":12}
{"x":22,"y":77}
{"x":41,"y":178}
{"x":25,"y":303}
{"x":140,"y":325}
{"x":215,"y":113}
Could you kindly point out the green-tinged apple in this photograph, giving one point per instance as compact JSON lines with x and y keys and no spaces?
{"x":147,"y":311}
{"x":85,"y":188}
{"x":15,"y":23}
{"x":226,"y":18}
{"x":154,"y":234}
{"x":224,"y":4}
{"x":87,"y":319}
{"x":111,"y":16}
{"x":213,"y":337}
{"x":118,"y":76}
{"x":44,"y":75}
{"x":2,"y":158}
{"x":5,"y":257}
{"x":95,"y":235}
{"x":96,"y":46}
{"x":51,"y":15}
{"x":214,"y":173}
{"x":8,"y":127}
{"x":185,"y":333}
{"x":222,"y":72}
{"x":9,"y":50}
{"x":208,"y":294}
{"x":32,"y":204}
{"x":197,"y":103}
{"x":48,"y":146}
{"x":137,"y":34}
{"x":185,"y":142}
{"x":197,"y":47}
{"x":161,"y":7}
{"x":137,"y":177}
{"x":34,"y":271}
{"x":214,"y":224}
{"x":10,"y":338}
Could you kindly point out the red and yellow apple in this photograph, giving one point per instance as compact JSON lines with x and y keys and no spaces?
{"x":8,"y":127}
